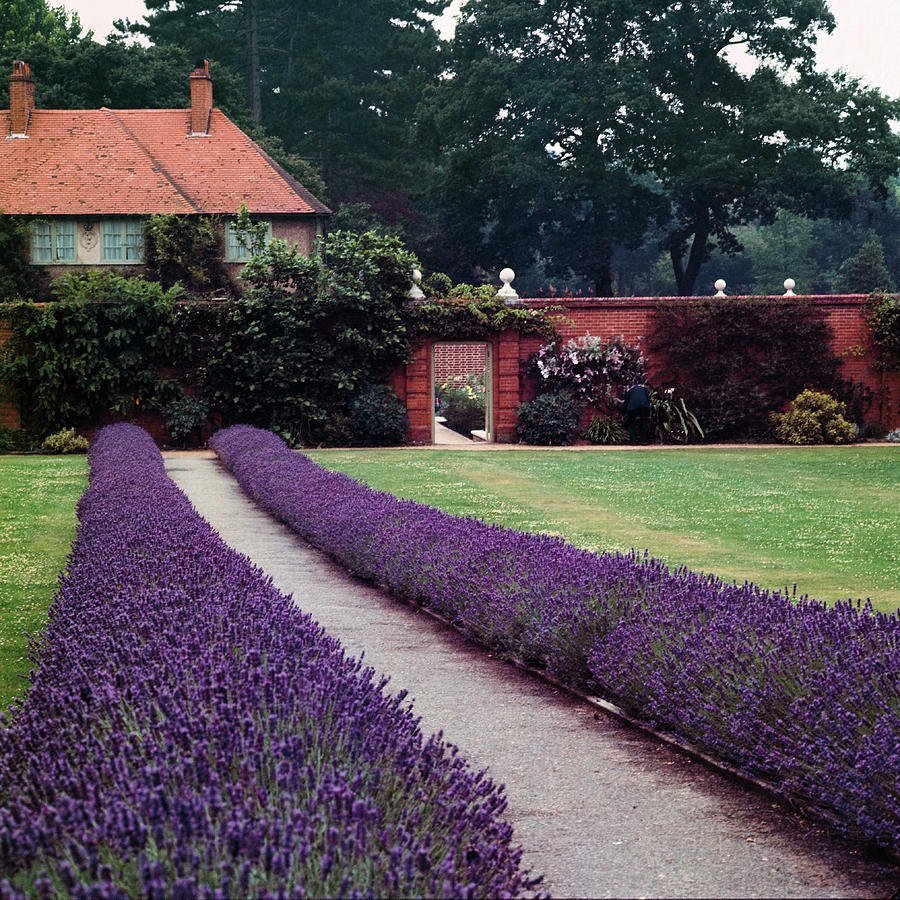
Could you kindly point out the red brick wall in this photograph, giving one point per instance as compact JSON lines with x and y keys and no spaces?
{"x":457,"y":360}
{"x":631,"y":317}
{"x":9,"y":415}
{"x":301,"y":232}
{"x":605,"y":318}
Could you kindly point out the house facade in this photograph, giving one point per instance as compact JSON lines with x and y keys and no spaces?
{"x":89,"y":179}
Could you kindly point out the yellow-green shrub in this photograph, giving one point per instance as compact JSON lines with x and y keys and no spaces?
{"x":814,"y":418}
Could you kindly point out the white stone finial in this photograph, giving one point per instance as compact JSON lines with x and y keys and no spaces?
{"x":415,"y":292}
{"x":507,"y":292}
{"x":789,"y":285}
{"x":720,"y":287}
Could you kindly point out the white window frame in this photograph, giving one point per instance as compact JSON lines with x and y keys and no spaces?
{"x":121,"y":242}
{"x":53,"y":242}
{"x":237,"y":252}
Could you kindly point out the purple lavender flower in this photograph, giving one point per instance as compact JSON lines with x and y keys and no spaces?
{"x":803,"y":694}
{"x":189,"y":732}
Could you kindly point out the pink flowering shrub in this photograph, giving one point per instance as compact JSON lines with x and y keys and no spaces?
{"x":594,"y":370}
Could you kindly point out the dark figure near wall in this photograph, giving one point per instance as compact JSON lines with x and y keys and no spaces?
{"x":636,"y":406}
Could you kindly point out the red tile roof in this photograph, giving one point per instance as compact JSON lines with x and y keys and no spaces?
{"x":139,"y":162}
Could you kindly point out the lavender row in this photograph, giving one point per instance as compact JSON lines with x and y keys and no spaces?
{"x":189,"y":732}
{"x":794,"y":691}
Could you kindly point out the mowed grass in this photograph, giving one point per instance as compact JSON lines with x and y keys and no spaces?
{"x":37,"y":526}
{"x":825,"y":519}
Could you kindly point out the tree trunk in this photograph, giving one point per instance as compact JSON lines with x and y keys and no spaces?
{"x":686,"y":273}
{"x":251,"y":22}
{"x":603,"y":282}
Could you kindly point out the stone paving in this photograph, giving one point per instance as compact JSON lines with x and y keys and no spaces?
{"x":602,"y":811}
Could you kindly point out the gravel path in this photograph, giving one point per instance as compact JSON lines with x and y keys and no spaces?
{"x":600,"y":810}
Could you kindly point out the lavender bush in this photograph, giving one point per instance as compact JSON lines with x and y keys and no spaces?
{"x":791,"y":690}
{"x":189,"y":732}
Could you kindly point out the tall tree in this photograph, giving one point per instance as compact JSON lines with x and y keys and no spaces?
{"x":22,"y":21}
{"x":608,"y":90}
{"x":337,"y":82}
{"x":84,"y":74}
{"x":732,"y":148}
{"x":522,"y":130}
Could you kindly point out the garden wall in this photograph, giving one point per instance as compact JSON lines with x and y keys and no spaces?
{"x":631,"y":317}
{"x":457,"y":360}
{"x":605,"y":317}
{"x":9,"y":415}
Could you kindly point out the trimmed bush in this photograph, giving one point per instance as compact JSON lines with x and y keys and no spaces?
{"x":189,"y":732}
{"x":65,"y":441}
{"x":795,"y":691}
{"x":549,"y":419}
{"x":814,"y":418}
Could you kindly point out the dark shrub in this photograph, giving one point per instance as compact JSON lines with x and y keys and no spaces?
{"x":14,"y":440}
{"x":550,"y":419}
{"x":378,"y":417}
{"x":736,"y":361}
{"x":310,"y":333}
{"x":184,"y":416}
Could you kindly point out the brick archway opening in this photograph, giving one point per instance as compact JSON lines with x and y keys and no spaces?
{"x":462,"y":394}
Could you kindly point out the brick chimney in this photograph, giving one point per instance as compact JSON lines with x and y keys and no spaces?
{"x":201,"y":99}
{"x":21,"y":98}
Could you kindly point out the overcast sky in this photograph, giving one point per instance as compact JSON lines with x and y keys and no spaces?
{"x":865,"y":42}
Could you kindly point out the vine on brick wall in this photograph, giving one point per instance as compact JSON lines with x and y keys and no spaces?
{"x":884,"y":320}
{"x":738,"y":360}
{"x":187,"y":250}
{"x":464,"y":312}
{"x":96,"y":353}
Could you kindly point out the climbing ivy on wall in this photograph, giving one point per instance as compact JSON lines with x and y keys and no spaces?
{"x":187,"y":250}
{"x":97,"y":352}
{"x":884,"y":320}
{"x":462,"y":312}
{"x":737,"y":360}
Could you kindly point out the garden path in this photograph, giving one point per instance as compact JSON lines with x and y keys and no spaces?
{"x":601,"y":810}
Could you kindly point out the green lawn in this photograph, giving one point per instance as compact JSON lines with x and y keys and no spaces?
{"x":825,"y":519}
{"x":37,"y":525}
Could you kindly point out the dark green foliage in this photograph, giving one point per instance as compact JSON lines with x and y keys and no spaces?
{"x":884,"y":320}
{"x":14,"y":440}
{"x":17,"y":277}
{"x":378,"y":417}
{"x":814,"y":418}
{"x":337,"y":82}
{"x":571,"y":129}
{"x":187,"y":250}
{"x":478,"y":314}
{"x":671,"y":420}
{"x":603,"y":430}
{"x":866,"y":271}
{"x":67,"y":440}
{"x":183,"y":416}
{"x":310,"y":332}
{"x":84,"y":74}
{"x":736,"y":361}
{"x":94,"y":354}
{"x":550,"y":419}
